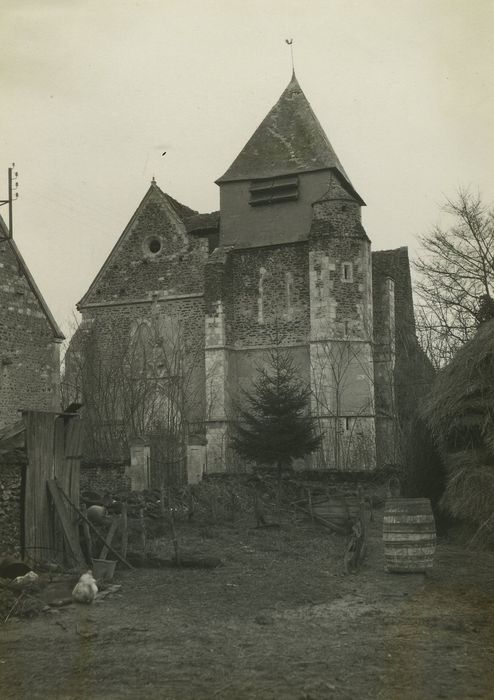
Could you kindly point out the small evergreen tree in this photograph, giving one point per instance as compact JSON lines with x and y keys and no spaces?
{"x":274,"y":424}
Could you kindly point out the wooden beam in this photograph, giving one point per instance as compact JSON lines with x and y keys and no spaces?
{"x":125,"y":532}
{"x":87,"y":534}
{"x":47,"y":413}
{"x":69,"y":532}
{"x":109,"y":537}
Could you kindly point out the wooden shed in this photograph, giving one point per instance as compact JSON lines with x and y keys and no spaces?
{"x":42,"y":452}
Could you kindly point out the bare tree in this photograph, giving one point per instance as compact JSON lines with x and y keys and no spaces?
{"x":342,"y":380}
{"x":456,"y":278}
{"x":145,"y":382}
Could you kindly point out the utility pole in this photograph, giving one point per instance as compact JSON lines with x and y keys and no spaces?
{"x":12,"y":179}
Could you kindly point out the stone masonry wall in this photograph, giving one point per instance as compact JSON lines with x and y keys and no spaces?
{"x":254,"y":298}
{"x":394,"y":264}
{"x":145,"y":313}
{"x":342,"y":376}
{"x":102,"y":479}
{"x":218,"y":302}
{"x":412,"y":371}
{"x":10,"y":509}
{"x":340,"y":272}
{"x":29,"y":355}
{"x":108,"y":332}
{"x":270,"y":296}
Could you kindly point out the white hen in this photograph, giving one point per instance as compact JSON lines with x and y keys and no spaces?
{"x":85,"y":589}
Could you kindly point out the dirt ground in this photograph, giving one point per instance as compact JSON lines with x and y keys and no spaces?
{"x":280,"y":619}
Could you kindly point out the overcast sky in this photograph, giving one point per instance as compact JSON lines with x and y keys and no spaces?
{"x":93,"y":92}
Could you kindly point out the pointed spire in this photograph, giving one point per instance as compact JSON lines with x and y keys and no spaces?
{"x":289,"y":140}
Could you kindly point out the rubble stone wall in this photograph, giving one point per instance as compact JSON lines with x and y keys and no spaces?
{"x":29,"y":354}
{"x":108,"y":478}
{"x":10,"y":509}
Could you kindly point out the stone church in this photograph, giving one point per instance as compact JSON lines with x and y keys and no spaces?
{"x":191,"y":303}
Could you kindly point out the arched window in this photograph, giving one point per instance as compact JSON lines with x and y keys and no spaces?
{"x":141,"y":348}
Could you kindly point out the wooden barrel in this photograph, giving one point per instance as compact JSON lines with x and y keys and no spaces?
{"x":409,"y":535}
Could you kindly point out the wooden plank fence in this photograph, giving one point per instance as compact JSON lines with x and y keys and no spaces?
{"x":53,"y":446}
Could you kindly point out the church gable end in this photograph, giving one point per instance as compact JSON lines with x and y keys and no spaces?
{"x":154,"y":255}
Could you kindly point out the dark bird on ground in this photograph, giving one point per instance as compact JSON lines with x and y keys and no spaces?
{"x":11,"y":568}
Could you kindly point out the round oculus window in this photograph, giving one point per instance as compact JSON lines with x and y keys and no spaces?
{"x":154,"y":245}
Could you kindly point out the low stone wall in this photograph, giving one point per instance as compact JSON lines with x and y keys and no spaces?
{"x":10,"y":509}
{"x":104,"y":478}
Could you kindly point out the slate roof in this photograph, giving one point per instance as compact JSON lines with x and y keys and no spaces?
{"x":182,"y":210}
{"x":4,"y":236}
{"x":289,"y":140}
{"x":203,"y":223}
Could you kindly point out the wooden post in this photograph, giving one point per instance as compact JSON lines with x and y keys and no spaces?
{"x":174,"y":532}
{"x":143,"y":531}
{"x":86,"y":533}
{"x":109,"y":537}
{"x":309,"y":492}
{"x":162,"y":501}
{"x":125,"y":531}
{"x":362,"y":515}
{"x":70,"y":531}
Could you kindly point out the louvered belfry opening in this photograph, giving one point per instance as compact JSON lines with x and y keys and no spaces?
{"x":273,"y":189}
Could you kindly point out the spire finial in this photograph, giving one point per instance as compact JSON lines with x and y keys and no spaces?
{"x":290,"y":44}
{"x":153,"y":181}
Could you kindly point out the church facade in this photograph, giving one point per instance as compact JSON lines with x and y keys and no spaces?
{"x":192,"y":303}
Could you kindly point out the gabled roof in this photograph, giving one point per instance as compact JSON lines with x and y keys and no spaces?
{"x":5,"y":237}
{"x":289,"y":140}
{"x":178,"y":210}
{"x":183,"y":212}
{"x":203,"y":223}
